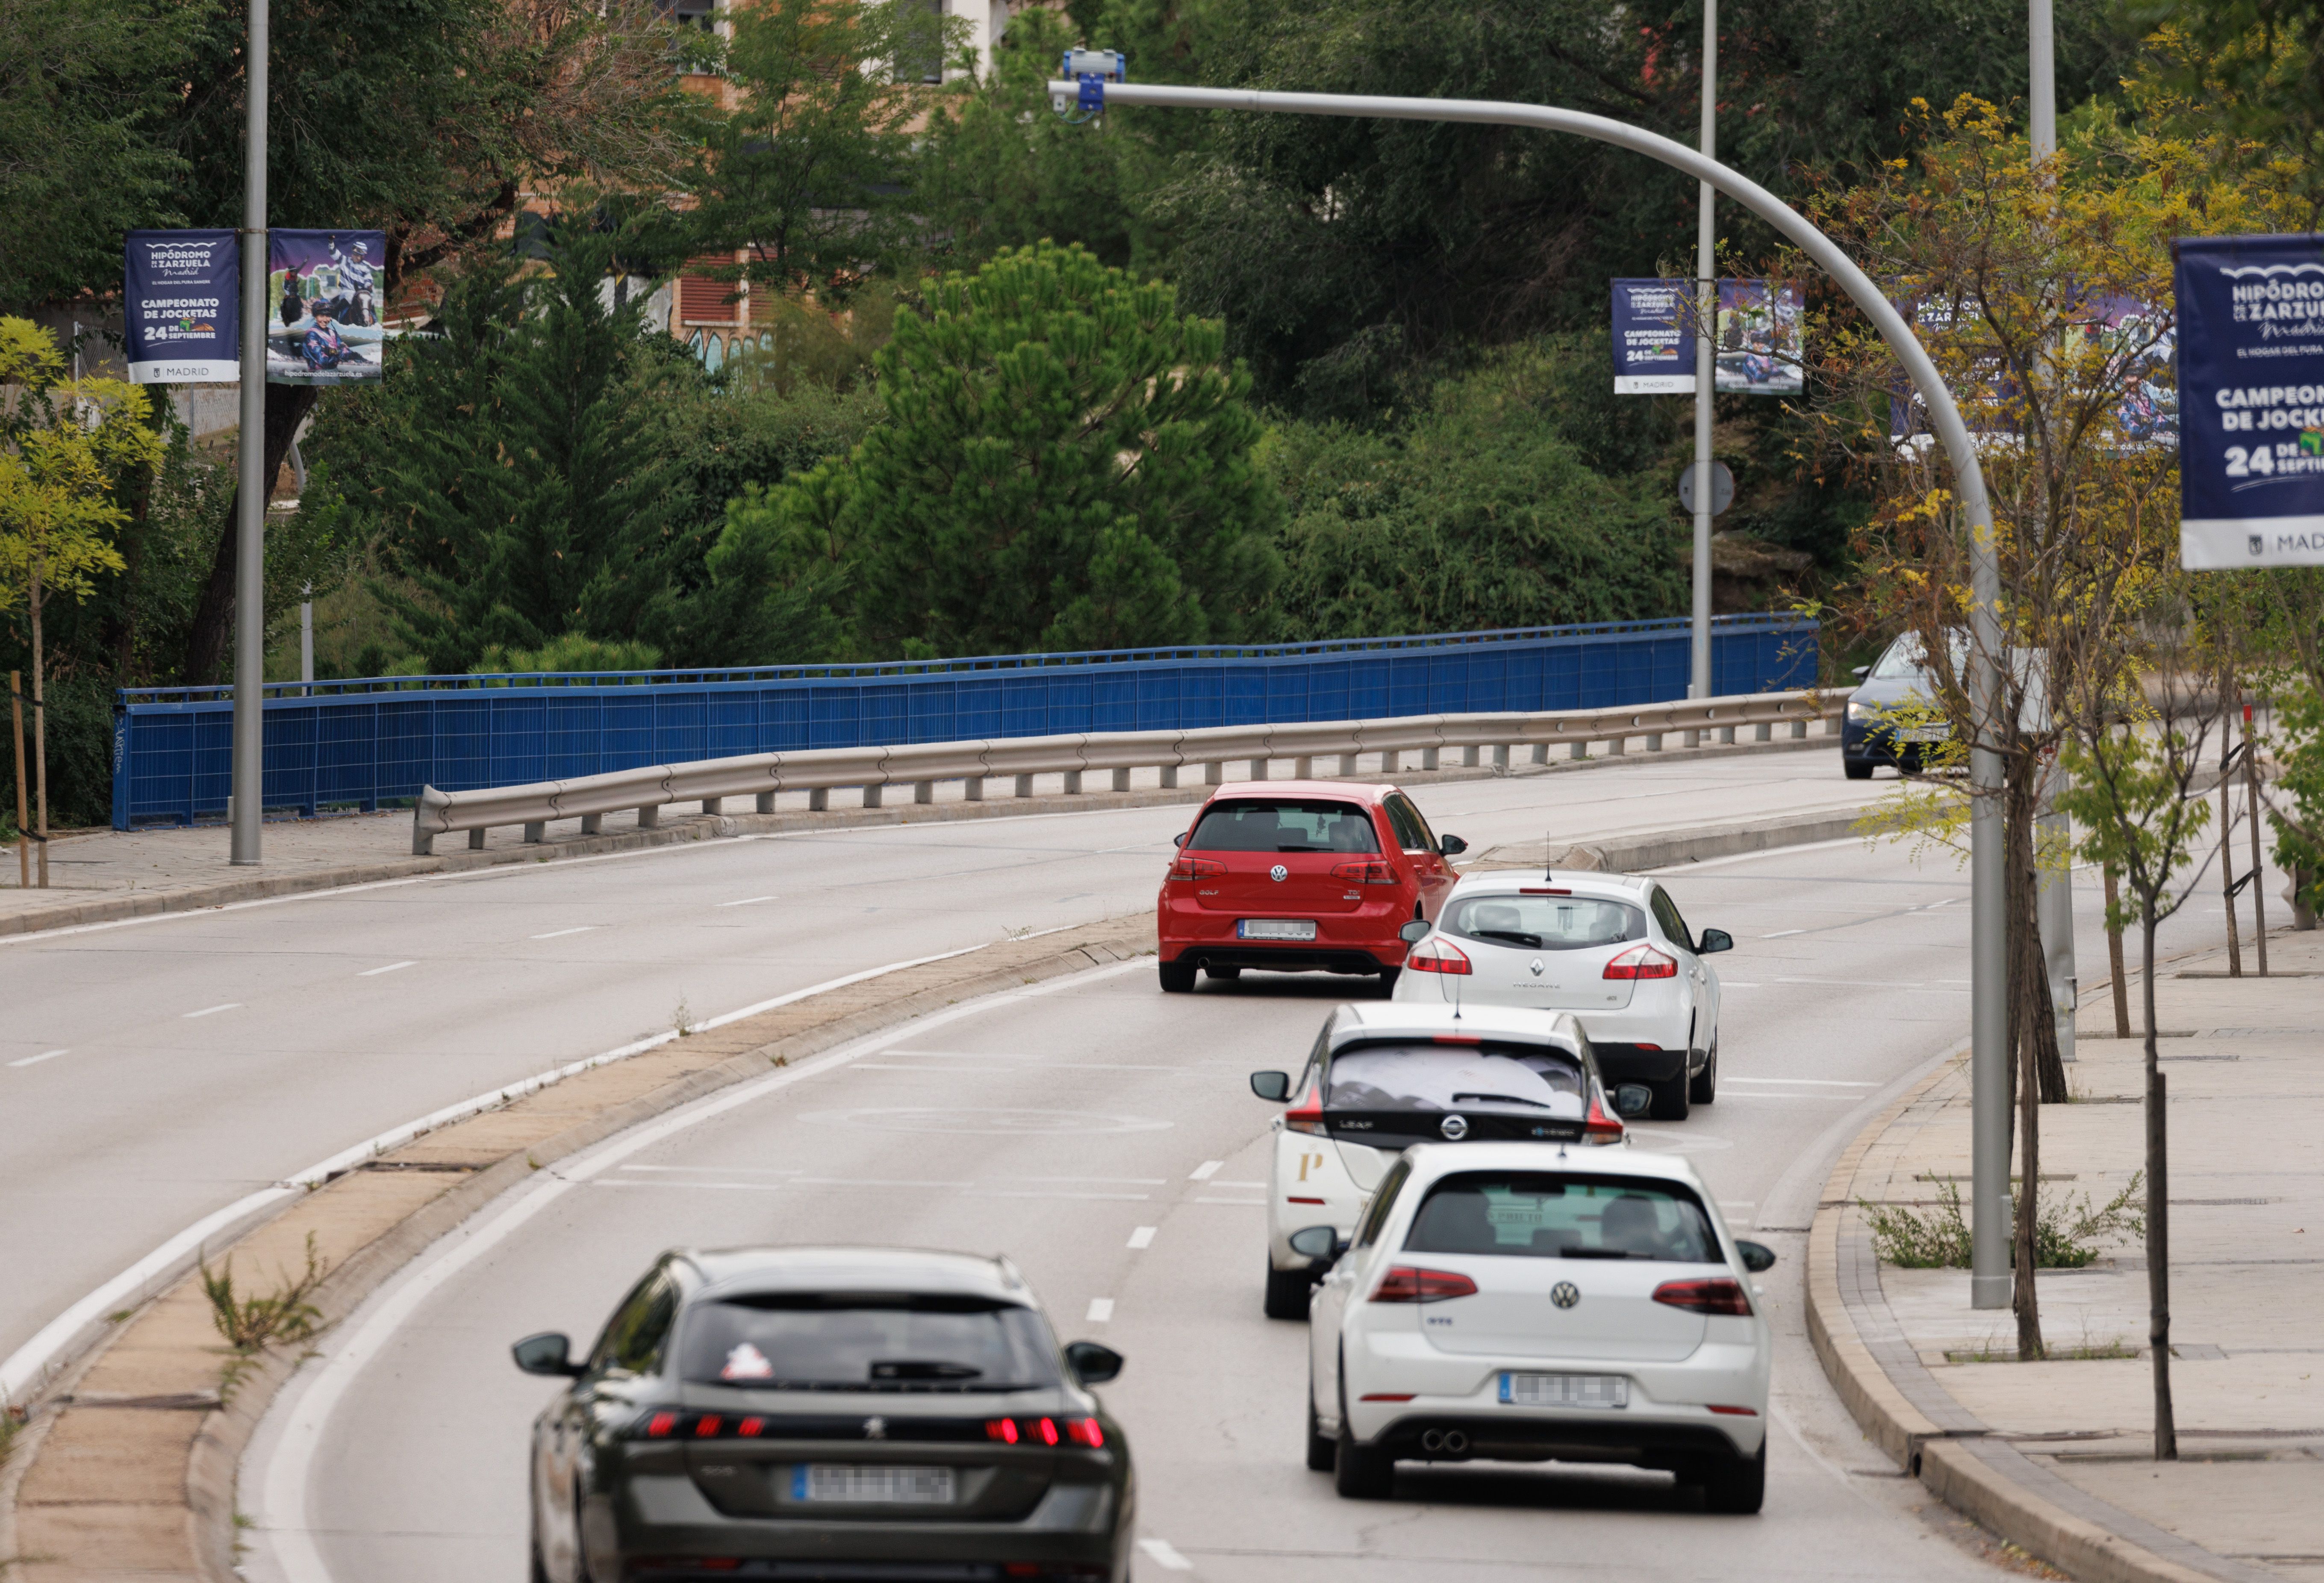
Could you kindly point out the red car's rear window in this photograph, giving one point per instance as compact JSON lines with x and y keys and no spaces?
{"x":1283,"y":824}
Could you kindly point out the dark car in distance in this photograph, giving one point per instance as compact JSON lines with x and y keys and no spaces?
{"x":1894,"y":717}
{"x":806,"y":1414}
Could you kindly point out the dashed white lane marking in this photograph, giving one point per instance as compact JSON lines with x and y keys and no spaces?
{"x":208,"y":1011}
{"x":1143,"y":1238}
{"x":1166,"y":1555}
{"x":33,"y":1060}
{"x":747,"y":902}
{"x":390,"y":967}
{"x":1783,"y":933}
{"x":1205,"y":1170}
{"x":561,"y":933}
{"x":1808,"y":1082}
{"x":1101,"y":1310}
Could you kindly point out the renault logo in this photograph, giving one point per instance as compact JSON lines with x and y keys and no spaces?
{"x":1455,"y":1128}
{"x":1537,"y":966}
{"x":875,"y":1429}
{"x":1278,"y":874}
{"x":1565,"y":1294}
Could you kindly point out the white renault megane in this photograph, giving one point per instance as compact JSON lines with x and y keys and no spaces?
{"x":1535,"y":1301}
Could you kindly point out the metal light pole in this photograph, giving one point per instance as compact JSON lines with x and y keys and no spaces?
{"x":1706,"y":307}
{"x":248,"y":801}
{"x":1989,"y":1009}
{"x":2041,"y":78}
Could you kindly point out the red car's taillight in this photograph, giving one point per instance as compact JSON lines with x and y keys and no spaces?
{"x":1642,"y":962}
{"x":1373,"y":872}
{"x":1187,"y":867}
{"x":1718,"y":1295}
{"x":1436,"y":955}
{"x":1601,"y":1126}
{"x":1405,"y":1284}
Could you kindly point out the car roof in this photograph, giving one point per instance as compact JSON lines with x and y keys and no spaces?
{"x":1419,"y":1020}
{"x":1340,"y":790}
{"x":1509,"y":881}
{"x":1431,"y":1160}
{"x":736,"y":1272}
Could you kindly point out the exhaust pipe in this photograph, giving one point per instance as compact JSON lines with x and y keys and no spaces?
{"x":1451,"y":1442}
{"x":1432,"y":1440}
{"x":1455,"y":1441}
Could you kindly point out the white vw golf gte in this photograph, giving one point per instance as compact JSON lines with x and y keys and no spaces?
{"x":1532,"y":1302}
{"x":1611,"y":948}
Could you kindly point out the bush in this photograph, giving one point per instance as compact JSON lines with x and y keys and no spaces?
{"x":2067,"y":1231}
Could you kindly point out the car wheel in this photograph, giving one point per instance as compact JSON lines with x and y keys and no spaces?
{"x":1177,"y":977}
{"x":1387,"y":977}
{"x":1323,"y":1450}
{"x":538,"y":1572}
{"x":1229,"y":973}
{"x":1669,"y":1098}
{"x":1857,"y":769}
{"x":1704,"y":1089}
{"x":1737,"y":1485}
{"x":1288,"y":1292}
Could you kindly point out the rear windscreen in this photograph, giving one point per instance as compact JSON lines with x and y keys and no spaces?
{"x":1548,"y":1215}
{"x":1528,"y":1079}
{"x":857,"y":1342}
{"x":1544,"y":923}
{"x":1275,"y":824}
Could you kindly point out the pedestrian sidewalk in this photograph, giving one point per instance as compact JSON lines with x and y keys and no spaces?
{"x":2057,"y":1456}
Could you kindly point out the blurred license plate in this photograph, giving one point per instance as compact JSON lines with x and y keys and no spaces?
{"x":1566,"y":1390}
{"x":1276,"y":929}
{"x":872,"y":1487}
{"x":1923,"y":733}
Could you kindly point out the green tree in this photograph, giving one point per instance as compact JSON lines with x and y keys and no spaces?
{"x":1066,"y":464}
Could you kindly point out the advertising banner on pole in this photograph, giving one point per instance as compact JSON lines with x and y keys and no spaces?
{"x":1654,"y":338}
{"x":1757,"y":343}
{"x":2251,"y":385}
{"x":180,"y":293}
{"x":322,"y":306}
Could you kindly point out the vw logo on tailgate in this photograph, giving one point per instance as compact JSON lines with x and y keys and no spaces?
{"x":1565,"y":1294}
{"x":1278,"y":874}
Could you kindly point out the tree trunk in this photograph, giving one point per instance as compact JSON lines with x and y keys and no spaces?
{"x":2158,"y":1219}
{"x":2034,"y":1055}
{"x":2113,"y":959}
{"x":2226,"y":833}
{"x":287,"y":406}
{"x":39,"y":733}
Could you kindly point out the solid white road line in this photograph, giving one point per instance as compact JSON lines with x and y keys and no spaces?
{"x":1808,"y":1082}
{"x":748,"y":901}
{"x":1783,"y":933}
{"x":282,"y":1482}
{"x":1205,"y":1170}
{"x":561,"y":933}
{"x":33,"y":1060}
{"x":210,"y":1011}
{"x":1142,"y":1238}
{"x":1166,"y":1555}
{"x":1100,"y":1310}
{"x":390,"y":967}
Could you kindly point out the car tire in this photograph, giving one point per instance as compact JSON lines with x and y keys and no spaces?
{"x":537,"y":1571}
{"x":1669,"y":1098}
{"x":1704,"y":1087}
{"x":1177,"y":977}
{"x":1387,"y":977}
{"x":1323,"y":1450}
{"x":1229,"y":974}
{"x":1289,"y":1292}
{"x":1735,"y":1486}
{"x":1857,"y":769}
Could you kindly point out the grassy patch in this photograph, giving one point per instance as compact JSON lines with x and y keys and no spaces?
{"x":282,"y":1317}
{"x":2068,"y":1230}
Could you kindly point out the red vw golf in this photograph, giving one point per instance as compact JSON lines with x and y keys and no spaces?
{"x":1299,"y":877}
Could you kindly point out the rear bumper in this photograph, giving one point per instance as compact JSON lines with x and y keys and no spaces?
{"x":1363,"y":940}
{"x":1632,"y":1063}
{"x":1637,"y":1440}
{"x":1301,"y":958}
{"x":1875,"y":742}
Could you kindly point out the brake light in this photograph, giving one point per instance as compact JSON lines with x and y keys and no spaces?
{"x":1719,"y":1295}
{"x":1196,"y":868}
{"x":1642,"y":962}
{"x":1436,"y":955}
{"x":1003,"y":1429}
{"x":1085,"y":1432}
{"x":1405,"y":1283}
{"x":1374,"y":872}
{"x":1601,"y":1126}
{"x":1735,"y":1411}
{"x":707,"y":1425}
{"x":660,"y":1424}
{"x":1543,"y":891}
{"x":1048,"y":1431}
{"x":750,"y":1427}
{"x":1456,"y":1039}
{"x":1306,"y":1118}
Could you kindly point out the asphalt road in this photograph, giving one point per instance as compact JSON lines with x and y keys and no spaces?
{"x":152,"y":1073}
{"x":1102,"y":1136}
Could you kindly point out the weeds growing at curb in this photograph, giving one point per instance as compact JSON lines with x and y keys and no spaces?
{"x":11,"y":1424}
{"x":253,"y":1323}
{"x":2066,"y":1230}
{"x":681,"y":1020}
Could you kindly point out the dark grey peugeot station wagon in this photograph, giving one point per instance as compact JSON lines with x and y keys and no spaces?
{"x":828,"y":1414}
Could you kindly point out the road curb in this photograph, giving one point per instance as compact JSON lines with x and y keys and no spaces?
{"x":675,"y":832}
{"x":1934,"y":1441}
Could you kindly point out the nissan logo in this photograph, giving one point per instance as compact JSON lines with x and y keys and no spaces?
{"x":1278,"y":874}
{"x":1565,"y":1294}
{"x":1455,"y":1128}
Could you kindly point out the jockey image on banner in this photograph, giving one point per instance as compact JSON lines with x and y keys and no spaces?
{"x":323,"y":322}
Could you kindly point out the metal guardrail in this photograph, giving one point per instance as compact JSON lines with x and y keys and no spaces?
{"x":651,"y":788}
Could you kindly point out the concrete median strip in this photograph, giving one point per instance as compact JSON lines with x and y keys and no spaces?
{"x":129,"y":1462}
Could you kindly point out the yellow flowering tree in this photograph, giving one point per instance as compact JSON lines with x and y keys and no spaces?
{"x":66,"y":448}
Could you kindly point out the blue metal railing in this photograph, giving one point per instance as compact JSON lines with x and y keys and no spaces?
{"x":374,"y":740}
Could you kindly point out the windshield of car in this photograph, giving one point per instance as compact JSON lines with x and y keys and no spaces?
{"x":1905,"y":660}
{"x":1274,"y":824}
{"x":857,"y":1341}
{"x":1544,"y":923}
{"x":1534,"y":1079}
{"x":1557,"y":1214}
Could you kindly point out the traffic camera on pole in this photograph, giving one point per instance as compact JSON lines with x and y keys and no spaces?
{"x":1091,"y":69}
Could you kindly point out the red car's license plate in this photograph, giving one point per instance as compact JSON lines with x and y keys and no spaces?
{"x":1276,"y":929}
